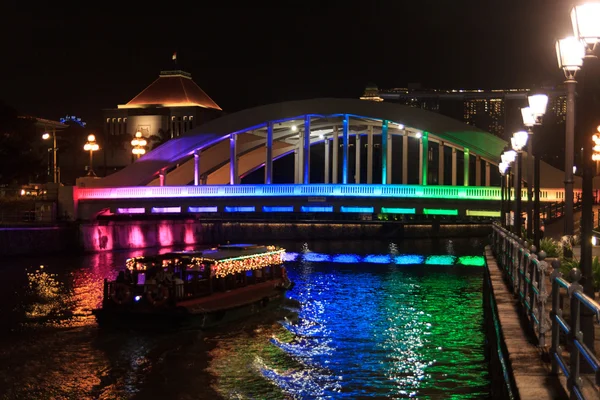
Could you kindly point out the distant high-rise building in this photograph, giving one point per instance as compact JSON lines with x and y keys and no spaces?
{"x":494,"y":111}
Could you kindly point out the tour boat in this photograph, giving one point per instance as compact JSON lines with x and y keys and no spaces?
{"x":214,"y":286}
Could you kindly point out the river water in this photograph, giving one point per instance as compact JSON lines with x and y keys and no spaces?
{"x":376,"y":320}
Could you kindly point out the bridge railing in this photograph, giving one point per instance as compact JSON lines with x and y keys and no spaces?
{"x":312,"y":190}
{"x":579,"y":354}
{"x":527,"y":275}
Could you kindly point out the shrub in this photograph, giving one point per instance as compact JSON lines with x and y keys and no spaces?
{"x":552,"y":248}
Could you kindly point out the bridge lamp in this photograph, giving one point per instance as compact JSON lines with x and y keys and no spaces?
{"x":518,"y":141}
{"x":586,"y":28}
{"x":569,"y":53}
{"x":294,"y":128}
{"x":418,"y":135}
{"x":138,"y":143}
{"x":91,"y":146}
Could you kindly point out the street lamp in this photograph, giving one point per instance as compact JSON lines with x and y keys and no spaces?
{"x":532,"y":116}
{"x":508,"y":157}
{"x":91,"y":146}
{"x":518,"y":141}
{"x":570,"y":53}
{"x":586,"y":28}
{"x":138,"y":143}
{"x":46,"y":136}
{"x":503,"y":168}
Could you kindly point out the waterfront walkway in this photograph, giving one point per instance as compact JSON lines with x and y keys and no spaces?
{"x":532,"y":375}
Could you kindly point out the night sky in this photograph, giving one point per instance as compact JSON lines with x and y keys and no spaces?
{"x":72,"y":61}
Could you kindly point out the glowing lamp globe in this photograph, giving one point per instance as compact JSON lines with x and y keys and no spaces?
{"x":46,"y":136}
{"x":528,"y":117}
{"x":538,"y":104}
{"x":519,"y":140}
{"x":511,"y":155}
{"x":503,"y":167}
{"x":586,"y":22}
{"x":570,"y":52}
{"x":91,"y":138}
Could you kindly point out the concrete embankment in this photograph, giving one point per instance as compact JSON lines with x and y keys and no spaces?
{"x":117,"y":235}
{"x":516,"y":363}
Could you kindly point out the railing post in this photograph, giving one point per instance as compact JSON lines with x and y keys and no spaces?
{"x":539,"y":299}
{"x":575,"y":334}
{"x":556,"y":312}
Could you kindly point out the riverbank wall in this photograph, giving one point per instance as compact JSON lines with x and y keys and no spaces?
{"x":119,"y":235}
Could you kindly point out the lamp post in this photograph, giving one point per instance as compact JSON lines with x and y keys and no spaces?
{"x":532,"y":117}
{"x":529,"y":121}
{"x":91,"y":146}
{"x":503,"y":167}
{"x":586,"y":28}
{"x":138,"y":143}
{"x":518,"y":141}
{"x":46,"y":136}
{"x":570,"y":52}
{"x":508,"y":157}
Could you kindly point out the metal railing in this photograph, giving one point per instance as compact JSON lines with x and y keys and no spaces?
{"x":575,"y":340}
{"x":527,"y":273}
{"x":312,"y":190}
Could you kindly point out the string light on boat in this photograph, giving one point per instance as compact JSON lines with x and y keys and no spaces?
{"x":232,"y":266}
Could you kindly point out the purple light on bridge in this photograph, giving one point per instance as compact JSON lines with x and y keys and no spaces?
{"x":189,"y":234}
{"x":165,"y":234}
{"x":136,"y":237}
{"x":131,"y":210}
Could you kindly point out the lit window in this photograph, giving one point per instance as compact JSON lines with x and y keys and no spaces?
{"x":185,"y":118}
{"x":114,"y":120}
{"x":107,"y":120}
{"x":191,"y":117}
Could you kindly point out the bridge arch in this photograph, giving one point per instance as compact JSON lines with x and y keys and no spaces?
{"x":223,"y":150}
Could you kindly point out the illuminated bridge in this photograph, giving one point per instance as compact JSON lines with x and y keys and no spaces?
{"x":318,"y":160}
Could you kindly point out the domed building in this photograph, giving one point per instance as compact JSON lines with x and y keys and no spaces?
{"x":168,"y":107}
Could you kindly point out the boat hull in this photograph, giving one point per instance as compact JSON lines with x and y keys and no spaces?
{"x":203,"y":313}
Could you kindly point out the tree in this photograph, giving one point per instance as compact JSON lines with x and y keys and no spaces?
{"x":23,"y":156}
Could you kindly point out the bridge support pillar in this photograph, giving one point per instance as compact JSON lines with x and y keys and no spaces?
{"x":454,"y":169}
{"x":196,"y":167}
{"x":370,"y":155}
{"x":423,"y":158}
{"x":336,"y":151}
{"x":389,"y":158}
{"x":357,"y":162}
{"x":384,"y":152}
{"x":306,"y":151}
{"x":269,"y":157}
{"x":487,"y":174}
{"x":441,"y":164}
{"x":233,"y":165}
{"x":162,"y":177}
{"x":405,"y":158}
{"x":345,"y":127}
{"x":466,"y":167}
{"x":477,"y":171}
{"x":296,"y":165}
{"x":327,"y":151}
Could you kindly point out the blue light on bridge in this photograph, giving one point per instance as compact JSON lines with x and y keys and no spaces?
{"x":441,"y":260}
{"x":202,"y":209}
{"x":396,"y":210}
{"x":240,"y":209}
{"x":166,"y":210}
{"x":378,"y":259}
{"x":346,"y":258}
{"x":278,"y":208}
{"x":366,"y":210}
{"x":316,"y":257}
{"x":408,"y":259}
{"x":317,"y":209}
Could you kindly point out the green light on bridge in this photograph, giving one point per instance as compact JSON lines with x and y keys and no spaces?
{"x":394,"y":210}
{"x":439,"y":211}
{"x":483,"y":213}
{"x":471,"y":261}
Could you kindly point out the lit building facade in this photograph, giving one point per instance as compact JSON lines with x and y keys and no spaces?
{"x":494,"y":111}
{"x":170,"y":106}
